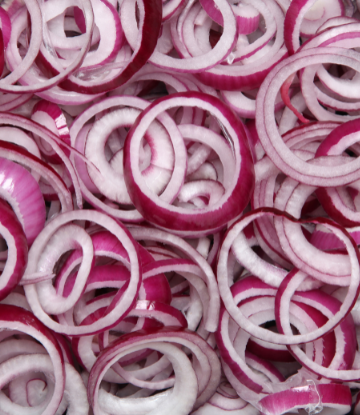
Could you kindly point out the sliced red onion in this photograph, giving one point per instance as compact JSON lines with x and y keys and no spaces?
{"x":80,"y":165}
{"x":156,"y":171}
{"x":242,"y":252}
{"x":194,"y":275}
{"x":124,"y":303}
{"x":317,"y":13}
{"x":289,"y":118}
{"x":226,"y":401}
{"x":247,"y":18}
{"x":313,"y":397}
{"x":225,"y":292}
{"x":251,"y":71}
{"x":244,"y":105}
{"x":330,"y":372}
{"x":35,"y":389}
{"x":264,"y":194}
{"x":330,"y":269}
{"x":9,"y":102}
{"x":15,"y":318}
{"x":231,"y":341}
{"x":16,"y":299}
{"x":272,"y":20}
{"x":274,"y":352}
{"x":185,"y":395}
{"x":110,"y":35}
{"x":277,"y":150}
{"x":13,"y":233}
{"x":191,"y":63}
{"x":67,"y":238}
{"x":128,"y":215}
{"x":342,"y":357}
{"x":171,"y":8}
{"x":19,"y":155}
{"x":87,"y":278}
{"x":157,"y":210}
{"x":51,"y":116}
{"x":211,"y":312}
{"x":19,"y":137}
{"x":33,"y":8}
{"x":150,"y":22}
{"x":334,"y":200}
{"x":259,"y":309}
{"x":19,"y":189}
{"x":212,"y":9}
{"x":15,"y":60}
{"x":5,"y":24}
{"x":50,"y":138}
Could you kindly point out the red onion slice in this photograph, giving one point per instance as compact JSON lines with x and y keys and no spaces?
{"x":150,"y":234}
{"x":149,"y":28}
{"x":312,"y":396}
{"x":19,"y":189}
{"x":12,"y":231}
{"x":266,"y":335}
{"x":15,"y":318}
{"x":205,"y":356}
{"x":191,"y":63}
{"x":172,"y":217}
{"x":121,"y":308}
{"x":297,"y":11}
{"x":277,"y":150}
{"x":15,"y":60}
{"x":50,"y":115}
